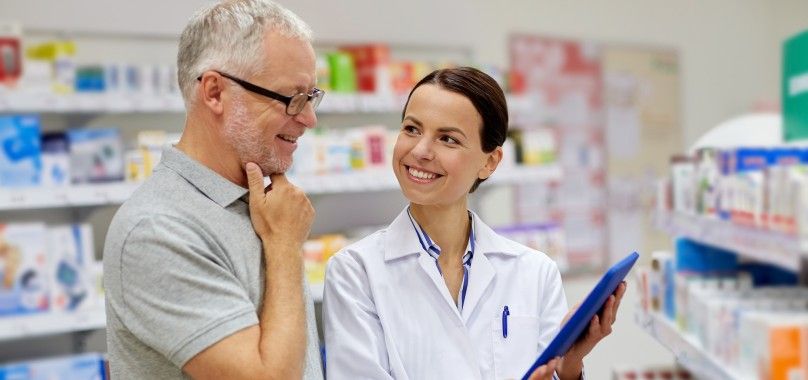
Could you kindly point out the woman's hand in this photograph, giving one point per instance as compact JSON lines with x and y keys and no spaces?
{"x":571,"y":365}
{"x":545,"y":372}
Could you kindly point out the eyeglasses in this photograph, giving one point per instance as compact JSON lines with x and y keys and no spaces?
{"x":294,"y":103}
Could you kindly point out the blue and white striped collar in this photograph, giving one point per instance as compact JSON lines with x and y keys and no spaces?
{"x":432,"y":248}
{"x":400,"y":239}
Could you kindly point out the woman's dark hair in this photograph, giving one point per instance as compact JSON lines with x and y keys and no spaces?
{"x":486,"y":96}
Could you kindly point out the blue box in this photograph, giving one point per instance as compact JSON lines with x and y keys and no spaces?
{"x":20,"y":155}
{"x":80,"y":367}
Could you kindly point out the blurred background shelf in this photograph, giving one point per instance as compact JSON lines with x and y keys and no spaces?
{"x":364,"y":181}
{"x":32,"y":325}
{"x":317,"y":289}
{"x":16,"y":102}
{"x":333,"y":102}
{"x":688,"y":352}
{"x":69,"y":196}
{"x":756,"y":243}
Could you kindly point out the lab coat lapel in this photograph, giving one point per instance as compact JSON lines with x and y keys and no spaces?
{"x":482,"y":272}
{"x":401,"y":241}
{"x":430,"y":269}
{"x":481,"y":275}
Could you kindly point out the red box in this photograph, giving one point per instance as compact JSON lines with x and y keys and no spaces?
{"x":372,"y":63}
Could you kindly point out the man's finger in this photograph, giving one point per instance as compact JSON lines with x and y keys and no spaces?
{"x":255,"y":180}
{"x":279,"y":178}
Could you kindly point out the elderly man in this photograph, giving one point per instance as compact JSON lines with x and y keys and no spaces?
{"x":203,"y":277}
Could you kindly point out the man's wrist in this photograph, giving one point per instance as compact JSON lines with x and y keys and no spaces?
{"x":280,"y":244}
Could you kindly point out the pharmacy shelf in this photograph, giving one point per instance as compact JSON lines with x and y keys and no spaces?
{"x":333,"y":103}
{"x":316,"y":289}
{"x":384,"y":179}
{"x":66,"y":196}
{"x":363,"y":181}
{"x":755,"y":243}
{"x":689,"y":353}
{"x":19,"y":102}
{"x":32,"y":325}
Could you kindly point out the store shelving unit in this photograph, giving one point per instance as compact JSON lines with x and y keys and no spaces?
{"x":50,"y":323}
{"x":317,"y":291}
{"x":84,"y":105}
{"x":772,"y":247}
{"x":755,"y":243}
{"x":689,"y":353}
{"x":97,"y":103}
{"x":68,"y":196}
{"x":352,"y":182}
{"x":112,"y":103}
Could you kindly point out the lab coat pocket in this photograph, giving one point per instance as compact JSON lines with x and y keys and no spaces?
{"x":514,"y":354}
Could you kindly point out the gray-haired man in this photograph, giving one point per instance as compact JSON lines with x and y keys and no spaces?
{"x":203,"y":277}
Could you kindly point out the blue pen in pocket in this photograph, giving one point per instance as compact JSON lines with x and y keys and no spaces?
{"x":505,"y":314}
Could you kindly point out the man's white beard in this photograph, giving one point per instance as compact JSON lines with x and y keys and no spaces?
{"x":248,"y":144}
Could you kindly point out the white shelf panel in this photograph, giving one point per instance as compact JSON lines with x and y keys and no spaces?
{"x":317,"y":291}
{"x":364,"y":181}
{"x":525,"y":174}
{"x":18,"y":102}
{"x":68,"y":196}
{"x":689,"y":353}
{"x":32,"y":325}
{"x":351,"y":182}
{"x":333,"y":102}
{"x":767,"y":246}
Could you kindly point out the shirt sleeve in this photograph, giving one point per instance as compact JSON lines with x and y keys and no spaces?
{"x":354,"y":338}
{"x":179,"y":295}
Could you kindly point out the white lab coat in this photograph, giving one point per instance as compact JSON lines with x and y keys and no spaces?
{"x":388,"y":313}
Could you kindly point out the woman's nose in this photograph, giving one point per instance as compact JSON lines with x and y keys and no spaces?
{"x":423,"y":150}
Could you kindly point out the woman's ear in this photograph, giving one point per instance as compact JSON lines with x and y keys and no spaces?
{"x":491,"y":163}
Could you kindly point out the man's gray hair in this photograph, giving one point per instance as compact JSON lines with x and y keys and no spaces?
{"x":228,"y":36}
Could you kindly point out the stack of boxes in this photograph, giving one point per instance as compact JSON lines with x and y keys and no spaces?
{"x":48,"y":269}
{"x":750,"y":317}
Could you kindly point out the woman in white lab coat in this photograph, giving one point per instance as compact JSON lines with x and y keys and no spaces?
{"x":438,"y":294}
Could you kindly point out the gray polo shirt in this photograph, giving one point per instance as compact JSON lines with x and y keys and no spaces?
{"x":183,"y":268}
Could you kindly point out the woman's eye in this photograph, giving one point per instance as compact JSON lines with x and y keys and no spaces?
{"x":410,"y":129}
{"x":449,"y":139}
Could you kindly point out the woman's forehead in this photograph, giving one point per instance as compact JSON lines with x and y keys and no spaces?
{"x":431,"y":104}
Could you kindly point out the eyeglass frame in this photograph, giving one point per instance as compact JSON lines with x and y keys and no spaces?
{"x":316,"y":94}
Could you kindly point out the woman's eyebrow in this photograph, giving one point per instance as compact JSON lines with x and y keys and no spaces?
{"x":451,"y":129}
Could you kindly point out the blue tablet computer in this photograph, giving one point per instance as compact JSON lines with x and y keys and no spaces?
{"x":579,"y":321}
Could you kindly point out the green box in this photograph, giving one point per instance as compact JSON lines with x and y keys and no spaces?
{"x":343,"y":72}
{"x":795,"y":87}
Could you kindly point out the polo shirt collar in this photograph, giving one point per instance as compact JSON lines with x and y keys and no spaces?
{"x":212,"y":184}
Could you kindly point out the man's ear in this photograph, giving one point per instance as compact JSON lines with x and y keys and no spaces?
{"x":491,"y":163}
{"x":210,"y":91}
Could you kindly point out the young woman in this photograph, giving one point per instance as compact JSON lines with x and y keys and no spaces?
{"x":438,"y":294}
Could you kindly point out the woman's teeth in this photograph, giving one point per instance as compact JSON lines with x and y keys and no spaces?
{"x":422,"y":175}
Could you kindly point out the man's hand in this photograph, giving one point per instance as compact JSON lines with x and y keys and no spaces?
{"x":282,"y":216}
{"x":276,"y":347}
{"x":571,"y":364}
{"x":545,"y":372}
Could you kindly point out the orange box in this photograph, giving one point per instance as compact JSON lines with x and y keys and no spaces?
{"x":788,"y":350}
